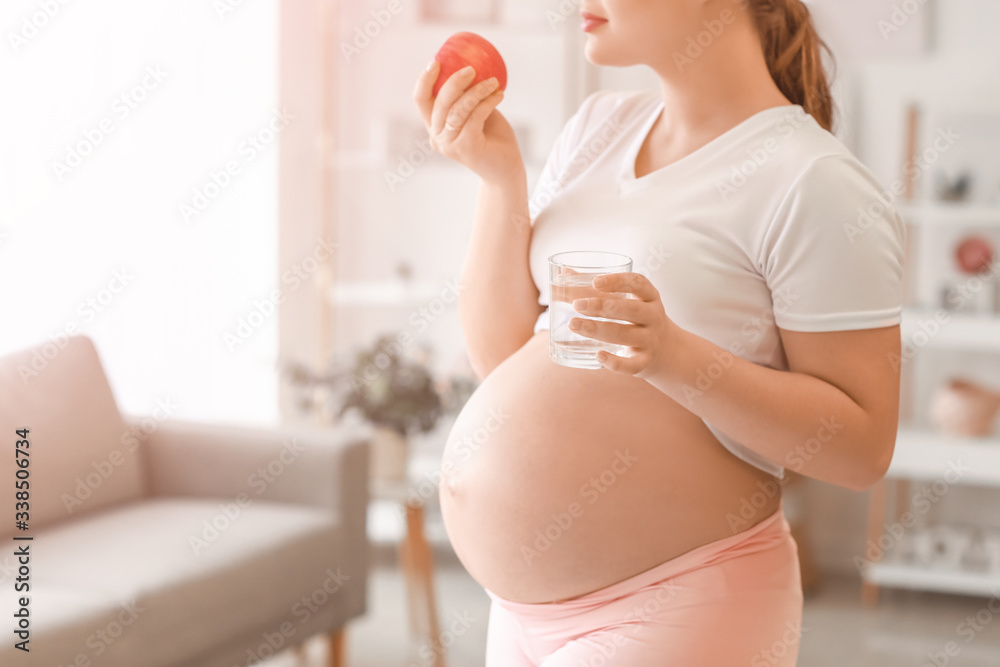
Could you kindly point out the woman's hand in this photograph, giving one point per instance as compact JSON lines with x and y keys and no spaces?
{"x":464,"y":124}
{"x":649,"y":332}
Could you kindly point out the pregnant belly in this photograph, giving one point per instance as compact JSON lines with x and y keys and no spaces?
{"x":559,"y":481}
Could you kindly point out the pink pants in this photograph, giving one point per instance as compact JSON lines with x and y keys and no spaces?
{"x":730,"y":603}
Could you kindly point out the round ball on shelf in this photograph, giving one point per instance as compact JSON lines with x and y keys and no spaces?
{"x":974,"y":255}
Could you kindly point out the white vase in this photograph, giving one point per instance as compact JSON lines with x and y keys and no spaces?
{"x":388,"y":454}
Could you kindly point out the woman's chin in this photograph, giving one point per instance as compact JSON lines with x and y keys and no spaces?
{"x":593,"y":56}
{"x":596,"y":54}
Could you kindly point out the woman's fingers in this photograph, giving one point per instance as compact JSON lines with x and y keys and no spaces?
{"x":610,"y":332}
{"x":622,"y":308}
{"x":628,"y":281}
{"x":452,"y":89}
{"x":477,"y":117}
{"x":464,"y":106}
{"x":422,"y":91}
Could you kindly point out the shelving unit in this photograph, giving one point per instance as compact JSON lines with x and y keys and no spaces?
{"x":385,"y":292}
{"x":921,"y":455}
{"x":960,"y":332}
{"x":896,"y":575}
{"x":925,"y":456}
{"x":965,"y":215}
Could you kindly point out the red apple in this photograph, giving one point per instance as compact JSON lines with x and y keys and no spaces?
{"x":974,"y":255}
{"x":468,"y":48}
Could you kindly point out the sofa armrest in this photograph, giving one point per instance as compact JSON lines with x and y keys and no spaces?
{"x":325,"y":468}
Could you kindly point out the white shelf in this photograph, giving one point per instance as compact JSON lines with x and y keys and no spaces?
{"x":387,"y":292}
{"x":971,"y":215}
{"x":930,"y":456}
{"x":961,"y":331}
{"x":898,"y":575}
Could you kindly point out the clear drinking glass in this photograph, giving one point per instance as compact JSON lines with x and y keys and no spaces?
{"x":571,"y":275}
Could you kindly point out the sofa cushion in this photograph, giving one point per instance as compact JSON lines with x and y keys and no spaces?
{"x":150,"y":584}
{"x":81,"y":454}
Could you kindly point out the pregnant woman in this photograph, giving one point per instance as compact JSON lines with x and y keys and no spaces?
{"x":631,"y":515}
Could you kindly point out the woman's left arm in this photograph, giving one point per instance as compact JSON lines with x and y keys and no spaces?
{"x":832,"y":416}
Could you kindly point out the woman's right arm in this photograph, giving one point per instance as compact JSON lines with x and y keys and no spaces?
{"x":498,"y":304}
{"x":498,"y":301}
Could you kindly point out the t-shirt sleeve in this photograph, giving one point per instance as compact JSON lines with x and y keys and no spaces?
{"x":833,"y":254}
{"x":551,"y":180}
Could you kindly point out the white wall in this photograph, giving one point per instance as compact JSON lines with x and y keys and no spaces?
{"x":422,"y":215}
{"x":161,"y":333}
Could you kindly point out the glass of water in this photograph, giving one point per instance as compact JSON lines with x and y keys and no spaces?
{"x":571,"y":275}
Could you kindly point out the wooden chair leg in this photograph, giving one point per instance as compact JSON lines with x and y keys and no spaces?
{"x":876,"y":514}
{"x":407,"y":563}
{"x":423,"y":572}
{"x":337,"y":648}
{"x":902,"y":504}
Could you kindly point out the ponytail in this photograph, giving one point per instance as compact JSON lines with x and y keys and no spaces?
{"x":793,"y":50}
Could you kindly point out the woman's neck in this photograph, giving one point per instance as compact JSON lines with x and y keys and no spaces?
{"x":724,"y":83}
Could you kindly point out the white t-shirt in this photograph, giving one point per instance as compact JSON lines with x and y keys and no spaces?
{"x":772,"y":224}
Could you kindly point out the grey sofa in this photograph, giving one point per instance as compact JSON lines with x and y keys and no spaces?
{"x":157,"y":543}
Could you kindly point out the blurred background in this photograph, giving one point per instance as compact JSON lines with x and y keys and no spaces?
{"x":236,"y":202}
